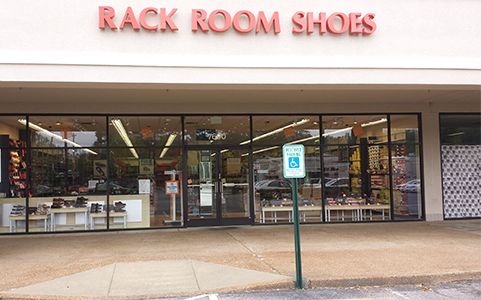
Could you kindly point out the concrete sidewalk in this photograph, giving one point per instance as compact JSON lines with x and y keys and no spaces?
{"x":147,"y":278}
{"x":192,"y":261}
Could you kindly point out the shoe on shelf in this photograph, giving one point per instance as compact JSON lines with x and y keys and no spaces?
{"x":81,"y":202}
{"x":119,"y":206}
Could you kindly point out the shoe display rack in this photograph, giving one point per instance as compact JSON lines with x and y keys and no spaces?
{"x":48,"y":214}
{"x":17,"y":170}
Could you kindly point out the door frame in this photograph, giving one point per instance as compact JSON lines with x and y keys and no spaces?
{"x":218,"y":220}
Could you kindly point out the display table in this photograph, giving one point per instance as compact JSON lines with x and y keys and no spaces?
{"x":310,"y":208}
{"x":68,"y":210}
{"x":103,"y":215}
{"x":353,"y":209}
{"x":15,"y":219}
{"x":273,"y":210}
{"x":374,"y":207}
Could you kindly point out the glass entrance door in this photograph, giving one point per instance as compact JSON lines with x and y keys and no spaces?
{"x":234,"y":185}
{"x":217,"y":187}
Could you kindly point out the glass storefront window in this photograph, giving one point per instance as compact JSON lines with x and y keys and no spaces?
{"x":141,"y":181}
{"x":49,"y":172}
{"x":404,"y":129}
{"x":216,"y":130}
{"x":350,"y":129}
{"x":278,"y":130}
{"x":72,"y":131}
{"x":166,"y":203}
{"x":273,"y":194}
{"x":460,"y":129}
{"x":13,"y":175}
{"x":356,"y":168}
{"x":68,"y":183}
{"x":406,"y":174}
{"x":76,"y":166}
{"x":356,"y":182}
{"x":142,"y":131}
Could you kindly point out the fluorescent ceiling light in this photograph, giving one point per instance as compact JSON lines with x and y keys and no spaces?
{"x":261,"y":150}
{"x":295,"y":124}
{"x":456,"y":133}
{"x":222,"y":151}
{"x":169,"y":142}
{"x":55,"y":136}
{"x":123,"y":134}
{"x":383,"y":120}
{"x":334,"y":132}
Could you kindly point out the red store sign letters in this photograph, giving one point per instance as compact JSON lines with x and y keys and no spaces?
{"x":243,"y":21}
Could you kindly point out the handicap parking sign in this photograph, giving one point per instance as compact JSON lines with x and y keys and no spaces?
{"x":293,"y":161}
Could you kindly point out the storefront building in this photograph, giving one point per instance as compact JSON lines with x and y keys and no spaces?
{"x":120,"y":115}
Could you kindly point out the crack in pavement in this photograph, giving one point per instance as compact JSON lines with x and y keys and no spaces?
{"x":257,"y":256}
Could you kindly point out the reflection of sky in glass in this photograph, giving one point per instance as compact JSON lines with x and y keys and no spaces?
{"x":84,"y":138}
{"x":311,"y":132}
{"x":337,"y":132}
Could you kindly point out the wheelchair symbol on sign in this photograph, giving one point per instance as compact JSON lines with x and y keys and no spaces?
{"x":294,"y":163}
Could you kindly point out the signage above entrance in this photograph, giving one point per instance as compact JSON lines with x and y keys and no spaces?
{"x":243,"y":21}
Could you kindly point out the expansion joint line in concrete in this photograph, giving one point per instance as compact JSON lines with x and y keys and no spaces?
{"x":195,"y":275}
{"x":258,"y":257}
{"x":111,"y":279}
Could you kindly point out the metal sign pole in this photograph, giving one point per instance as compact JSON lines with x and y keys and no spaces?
{"x":294,"y":167}
{"x":297,"y":238}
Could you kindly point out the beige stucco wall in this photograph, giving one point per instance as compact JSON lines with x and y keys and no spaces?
{"x":59,"y":41}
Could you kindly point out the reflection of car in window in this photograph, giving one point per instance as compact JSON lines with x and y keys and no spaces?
{"x":412,"y":186}
{"x":342,"y":182}
{"x":42,"y":190}
{"x":115,"y":189}
{"x":272,"y":184}
{"x":274,"y":188}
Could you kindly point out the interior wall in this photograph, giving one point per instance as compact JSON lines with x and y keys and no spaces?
{"x":12,"y":132}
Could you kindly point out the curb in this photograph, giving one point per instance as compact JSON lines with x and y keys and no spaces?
{"x":391,"y":281}
{"x":282,"y":285}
